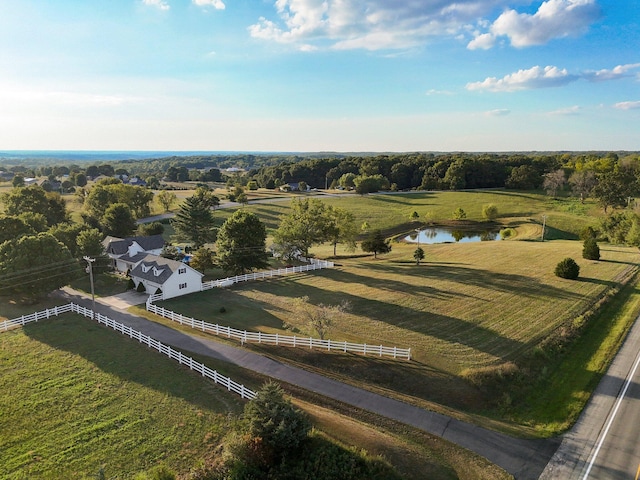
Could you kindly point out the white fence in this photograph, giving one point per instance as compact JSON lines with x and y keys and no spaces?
{"x":225,"y":282}
{"x":277,"y":339}
{"x":142,"y":338}
{"x":34,"y":317}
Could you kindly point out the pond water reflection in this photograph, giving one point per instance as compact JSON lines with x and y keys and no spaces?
{"x":452,"y":235}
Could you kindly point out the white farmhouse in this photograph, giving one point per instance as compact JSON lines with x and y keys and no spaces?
{"x":127,"y":252}
{"x":169,"y":277}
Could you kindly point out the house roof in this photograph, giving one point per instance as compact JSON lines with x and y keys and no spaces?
{"x":134,"y":258}
{"x":120,"y":246}
{"x":157,"y":269}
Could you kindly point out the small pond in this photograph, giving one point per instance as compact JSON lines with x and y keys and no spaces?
{"x":453,"y":235}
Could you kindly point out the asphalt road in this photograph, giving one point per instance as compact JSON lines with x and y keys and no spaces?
{"x":605,"y":442}
{"x":524,"y":459}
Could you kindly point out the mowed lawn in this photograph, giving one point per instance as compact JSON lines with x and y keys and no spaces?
{"x":76,"y":397}
{"x":467,"y":306}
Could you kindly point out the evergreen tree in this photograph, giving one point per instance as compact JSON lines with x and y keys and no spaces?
{"x":376,"y":243}
{"x":241,"y":243}
{"x":194,"y":221}
{"x":590,"y":249}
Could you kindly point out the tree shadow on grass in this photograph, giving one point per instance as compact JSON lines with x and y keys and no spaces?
{"x":129,"y":360}
{"x":447,"y":328}
{"x":511,"y":283}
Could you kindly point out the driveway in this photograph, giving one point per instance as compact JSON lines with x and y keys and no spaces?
{"x":121,"y":301}
{"x":525,"y":459}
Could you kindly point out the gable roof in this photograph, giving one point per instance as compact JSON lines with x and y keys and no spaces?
{"x":120,"y":246}
{"x":158,"y":269}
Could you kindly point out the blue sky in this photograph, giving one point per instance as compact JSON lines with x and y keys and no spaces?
{"x":320,"y":75}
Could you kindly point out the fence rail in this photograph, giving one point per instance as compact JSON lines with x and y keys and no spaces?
{"x":276,"y":339}
{"x":177,"y":355}
{"x":225,"y":282}
{"x":34,"y":317}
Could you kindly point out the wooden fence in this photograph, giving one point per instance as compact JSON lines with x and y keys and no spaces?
{"x":142,"y":338}
{"x":276,"y":339}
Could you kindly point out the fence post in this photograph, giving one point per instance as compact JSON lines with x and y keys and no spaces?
{"x":380,"y":350}
{"x":365,"y":349}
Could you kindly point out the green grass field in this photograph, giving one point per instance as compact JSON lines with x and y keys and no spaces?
{"x":76,"y":397}
{"x":467,"y":307}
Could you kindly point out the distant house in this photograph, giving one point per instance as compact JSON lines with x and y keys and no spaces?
{"x":127,"y":252}
{"x":169,"y":277}
{"x":293,"y":187}
{"x":137,"y":182}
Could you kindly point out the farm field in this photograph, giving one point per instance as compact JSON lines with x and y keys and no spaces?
{"x":468,"y":307}
{"x":77,"y":398}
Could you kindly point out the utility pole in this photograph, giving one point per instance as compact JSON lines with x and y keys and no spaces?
{"x":93,"y":295}
{"x":544,"y":223}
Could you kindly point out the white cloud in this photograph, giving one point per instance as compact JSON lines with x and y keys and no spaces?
{"x":482,"y":41}
{"x":217,"y":4}
{"x":370,"y":24}
{"x":549,"y":76}
{"x":534,"y":77}
{"x":621,"y":71}
{"x":498,"y":112}
{"x":554,"y":19}
{"x":574,"y":110}
{"x":161,"y":4}
{"x":433,"y":91}
{"x":627,"y":105}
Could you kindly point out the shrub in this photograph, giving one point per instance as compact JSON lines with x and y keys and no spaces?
{"x":131,"y":284}
{"x":507,"y":233}
{"x":567,"y":268}
{"x":141,"y":288}
{"x":222,"y":309}
{"x":459,"y":214}
{"x":590,"y":249}
{"x":490,"y":211}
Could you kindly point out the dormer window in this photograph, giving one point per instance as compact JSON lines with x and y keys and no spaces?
{"x":157,"y":272}
{"x":145,"y":268}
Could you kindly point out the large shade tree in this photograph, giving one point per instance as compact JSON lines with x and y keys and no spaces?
{"x":34,"y":265}
{"x":342,"y":228}
{"x":12,"y":227}
{"x":241,"y":243}
{"x":35,"y":200}
{"x":306,"y":224}
{"x":118,"y":221}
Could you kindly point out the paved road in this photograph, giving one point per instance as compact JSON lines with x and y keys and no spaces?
{"x":524,"y":459}
{"x":604,"y":443}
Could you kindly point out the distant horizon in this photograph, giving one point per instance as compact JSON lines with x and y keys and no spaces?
{"x":301,"y":76}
